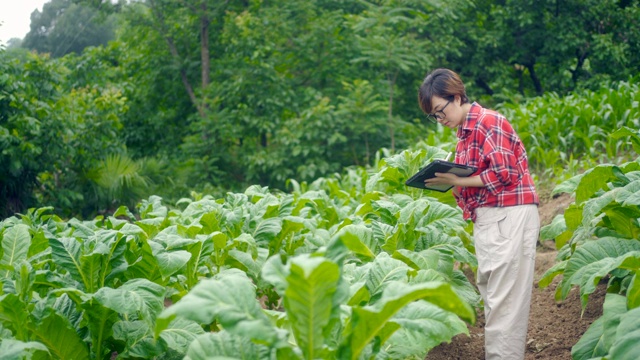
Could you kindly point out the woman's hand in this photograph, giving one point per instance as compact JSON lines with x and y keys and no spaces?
{"x":444,"y":179}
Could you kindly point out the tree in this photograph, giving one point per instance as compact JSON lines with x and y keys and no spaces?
{"x":389,"y":37}
{"x":538,"y":46}
{"x":64,"y":27}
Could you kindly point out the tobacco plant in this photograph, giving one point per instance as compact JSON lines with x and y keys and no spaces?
{"x":598,"y":238}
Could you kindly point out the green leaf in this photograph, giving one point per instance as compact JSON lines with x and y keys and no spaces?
{"x":100,"y":321}
{"x":169,"y":262}
{"x":15,"y":246}
{"x":554,"y":229}
{"x":426,"y":259}
{"x":275,"y":273}
{"x":385,"y":270}
{"x":359,"y":239}
{"x":146,"y":265}
{"x":440,"y":218}
{"x":634,"y":136}
{"x":224,"y":346}
{"x":626,"y":345}
{"x":386,"y":210}
{"x":599,"y":337}
{"x":138,"y":297}
{"x":465,"y":289}
{"x":138,"y":339}
{"x":633,"y":292}
{"x":253,"y":267}
{"x":629,"y":195}
{"x":569,"y":186}
{"x":91,"y":265}
{"x":423,"y":327}
{"x":199,"y":250}
{"x":308,"y":301}
{"x":573,"y":216}
{"x":39,"y":245}
{"x":66,"y":253}
{"x":367,"y":322}
{"x":614,"y":310}
{"x":180,"y":334}
{"x":60,"y":338}
{"x":267,"y":230}
{"x":595,"y":180}
{"x":551,"y":273}
{"x":18,"y":350}
{"x":228,"y":297}
{"x":594,"y":259}
{"x":15,"y":313}
{"x":590,"y":345}
{"x":592,"y":208}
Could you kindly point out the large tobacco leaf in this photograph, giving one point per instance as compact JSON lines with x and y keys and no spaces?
{"x":614,"y":335}
{"x":308,"y":302}
{"x":228,"y":298}
{"x":593,"y":260}
{"x":17,"y":350}
{"x":374,"y":321}
{"x":15,"y":246}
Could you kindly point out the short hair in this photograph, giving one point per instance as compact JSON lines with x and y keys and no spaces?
{"x":443,"y":83}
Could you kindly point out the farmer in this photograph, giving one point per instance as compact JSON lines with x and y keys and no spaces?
{"x":501,"y":200}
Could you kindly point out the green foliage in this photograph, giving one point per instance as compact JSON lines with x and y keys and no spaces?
{"x":272,"y":91}
{"x":64,"y":27}
{"x":336,"y":268}
{"x":574,"y":131}
{"x":614,"y":335}
{"x":532,"y":47}
{"x":286,"y":96}
{"x":598,"y":237}
{"x":27,"y":131}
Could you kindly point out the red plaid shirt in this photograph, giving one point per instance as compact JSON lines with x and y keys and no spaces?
{"x":487,"y":141}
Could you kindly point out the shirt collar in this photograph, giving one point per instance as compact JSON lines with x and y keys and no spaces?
{"x":469,"y":124}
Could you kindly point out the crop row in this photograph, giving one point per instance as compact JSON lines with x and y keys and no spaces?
{"x":598,"y":238}
{"x":351,"y":266}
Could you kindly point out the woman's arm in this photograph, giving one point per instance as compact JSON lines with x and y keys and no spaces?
{"x":455,"y":180}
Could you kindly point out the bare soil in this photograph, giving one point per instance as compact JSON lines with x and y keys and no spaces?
{"x":554,"y":327}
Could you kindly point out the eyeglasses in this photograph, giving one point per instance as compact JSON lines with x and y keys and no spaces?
{"x":438,"y":115}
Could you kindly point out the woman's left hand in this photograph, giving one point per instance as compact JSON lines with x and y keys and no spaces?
{"x":444,"y":179}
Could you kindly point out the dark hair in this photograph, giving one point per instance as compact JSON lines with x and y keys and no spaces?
{"x":443,"y":83}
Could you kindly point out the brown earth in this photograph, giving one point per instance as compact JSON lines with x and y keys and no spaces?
{"x":554,"y":327}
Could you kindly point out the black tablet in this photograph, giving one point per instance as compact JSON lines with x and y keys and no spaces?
{"x":438,"y":166}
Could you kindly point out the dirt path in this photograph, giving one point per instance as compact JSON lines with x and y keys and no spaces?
{"x":553,"y":327}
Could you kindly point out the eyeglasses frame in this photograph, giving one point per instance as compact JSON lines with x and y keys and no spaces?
{"x":438,"y":115}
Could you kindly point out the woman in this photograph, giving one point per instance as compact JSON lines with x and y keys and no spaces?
{"x":500,"y":199}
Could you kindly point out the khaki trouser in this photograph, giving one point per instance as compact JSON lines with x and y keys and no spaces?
{"x":505,"y":240}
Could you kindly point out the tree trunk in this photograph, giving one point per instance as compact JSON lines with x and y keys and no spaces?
{"x":162,"y":30}
{"x":392,"y":83}
{"x":534,"y":77}
{"x":581,"y":57}
{"x":484,"y":86}
{"x":204,"y":46}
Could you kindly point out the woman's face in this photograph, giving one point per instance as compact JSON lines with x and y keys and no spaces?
{"x":449,"y":113}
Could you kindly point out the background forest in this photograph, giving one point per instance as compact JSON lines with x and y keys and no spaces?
{"x":103,"y":104}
